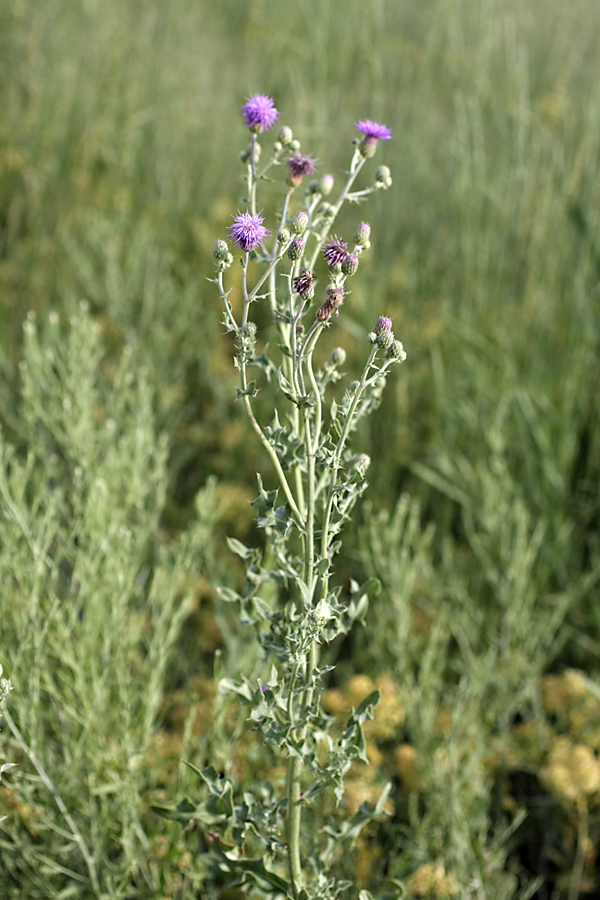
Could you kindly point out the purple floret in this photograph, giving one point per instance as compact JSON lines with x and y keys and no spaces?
{"x":300,"y":165}
{"x":384,"y":323}
{"x":304,"y":284}
{"x":334,"y":251}
{"x":259,"y":112}
{"x":247,"y":231}
{"x":374,"y":130}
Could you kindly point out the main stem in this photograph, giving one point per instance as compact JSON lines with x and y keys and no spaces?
{"x":294,"y":771}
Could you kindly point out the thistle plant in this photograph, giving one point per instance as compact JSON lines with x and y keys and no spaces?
{"x":289,"y":597}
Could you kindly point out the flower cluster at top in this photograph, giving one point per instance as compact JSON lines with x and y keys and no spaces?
{"x":249,"y":233}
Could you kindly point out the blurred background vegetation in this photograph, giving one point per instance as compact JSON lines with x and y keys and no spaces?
{"x":119,"y":167}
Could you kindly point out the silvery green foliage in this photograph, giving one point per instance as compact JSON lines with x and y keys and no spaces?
{"x":289,"y":598}
{"x":5,"y":688}
{"x":93,"y":604}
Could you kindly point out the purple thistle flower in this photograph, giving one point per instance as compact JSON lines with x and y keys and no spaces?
{"x":334,"y":251}
{"x":299,"y":165}
{"x":304,"y":284}
{"x":259,"y":113}
{"x":247,"y":231}
{"x":372,"y":132}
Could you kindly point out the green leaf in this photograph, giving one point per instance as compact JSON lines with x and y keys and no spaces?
{"x":229,"y":686}
{"x":366,"y":706}
{"x":184,"y":813}
{"x":250,"y":391}
{"x":262,"y":877}
{"x":240,"y":549}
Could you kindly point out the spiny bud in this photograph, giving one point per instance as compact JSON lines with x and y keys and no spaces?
{"x":220,"y":250}
{"x":338,"y":356}
{"x":299,"y":222}
{"x":362,"y":235}
{"x":385,"y":339}
{"x":350,"y":264}
{"x":296,"y":249}
{"x":383,"y":177}
{"x":283,"y":236}
{"x":285,"y":136}
{"x":249,"y":330}
{"x":294,"y":146}
{"x":396,"y":351}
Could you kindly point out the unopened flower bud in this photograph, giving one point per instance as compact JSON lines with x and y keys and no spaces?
{"x":296,"y":249}
{"x":326,"y":184}
{"x":349,"y":264}
{"x":362,"y":235}
{"x":249,"y":330}
{"x":372,"y":337}
{"x":294,"y":146}
{"x":283,"y":236}
{"x":385,"y":339}
{"x":396,"y":351}
{"x":285,"y":136}
{"x":338,"y":356}
{"x":299,"y":222}
{"x":220,"y":250}
{"x":383,"y":177}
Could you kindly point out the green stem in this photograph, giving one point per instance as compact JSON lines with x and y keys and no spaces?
{"x":356,"y":165}
{"x":337,"y":458}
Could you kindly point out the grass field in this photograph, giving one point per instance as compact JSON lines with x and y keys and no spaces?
{"x":125,"y":461}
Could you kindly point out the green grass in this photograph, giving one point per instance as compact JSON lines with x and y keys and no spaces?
{"x":119,"y":142}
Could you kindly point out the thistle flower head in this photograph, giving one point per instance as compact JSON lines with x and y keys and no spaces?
{"x":247,"y":231}
{"x":334,"y":251}
{"x":299,"y":165}
{"x":304,"y":284}
{"x":384,"y":323}
{"x":259,"y":113}
{"x":372,"y":132}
